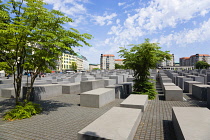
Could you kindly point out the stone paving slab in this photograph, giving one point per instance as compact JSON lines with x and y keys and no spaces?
{"x":63,"y":118}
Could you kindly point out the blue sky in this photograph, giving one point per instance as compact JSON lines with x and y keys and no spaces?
{"x":180,"y":26}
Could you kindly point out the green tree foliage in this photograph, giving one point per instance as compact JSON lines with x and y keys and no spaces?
{"x":4,"y":66}
{"x":117,"y":66}
{"x":141,"y":58}
{"x":96,"y":69}
{"x":74,"y":66}
{"x":201,"y":65}
{"x":33,"y":38}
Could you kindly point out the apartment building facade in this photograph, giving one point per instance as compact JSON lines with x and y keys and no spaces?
{"x":119,"y":61}
{"x":107,"y":61}
{"x":190,"y":61}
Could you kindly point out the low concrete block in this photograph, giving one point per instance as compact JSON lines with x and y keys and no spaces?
{"x":108,"y":82}
{"x":208,"y":97}
{"x":97,"y":97}
{"x":91,"y":84}
{"x":6,"y":81}
{"x":8,"y":92}
{"x":200,"y":91}
{"x":119,"y":90}
{"x":115,"y":124}
{"x":73,"y":88}
{"x":135,"y":101}
{"x":188,"y":86}
{"x":182,"y":80}
{"x":173,"y":93}
{"x":119,"y":78}
{"x":127,"y":87}
{"x":41,"y":92}
{"x":191,"y":123}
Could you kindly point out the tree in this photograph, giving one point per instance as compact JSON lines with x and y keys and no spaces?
{"x":4,"y":66}
{"x":140,"y":58}
{"x":118,"y":66}
{"x":74,"y":66}
{"x":33,"y":38}
{"x":201,"y":65}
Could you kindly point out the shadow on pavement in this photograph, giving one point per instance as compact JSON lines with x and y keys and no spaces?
{"x":168,"y":129}
{"x":5,"y":105}
{"x":51,"y":105}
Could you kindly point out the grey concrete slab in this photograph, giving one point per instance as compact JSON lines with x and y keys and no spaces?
{"x":116,"y":124}
{"x":108,"y":82}
{"x":182,"y":80}
{"x":188,"y":86}
{"x":191,"y":123}
{"x":119,"y":78}
{"x":72,"y":88}
{"x":200,"y":91}
{"x":97,"y":97}
{"x":119,"y":91}
{"x":91,"y":84}
{"x":8,"y":92}
{"x":208,"y":97}
{"x":173,"y":93}
{"x":135,"y":101}
{"x":41,"y":92}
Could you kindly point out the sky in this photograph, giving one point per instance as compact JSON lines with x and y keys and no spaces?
{"x":180,"y":26}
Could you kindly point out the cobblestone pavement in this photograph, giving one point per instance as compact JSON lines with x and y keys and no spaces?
{"x":156,"y":122}
{"x":62,"y":118}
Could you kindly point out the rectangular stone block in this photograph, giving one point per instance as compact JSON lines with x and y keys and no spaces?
{"x":97,"y":97}
{"x":200,"y":91}
{"x":182,"y":80}
{"x":191,"y":123}
{"x":208,"y":97}
{"x":91,"y":84}
{"x":119,"y":78}
{"x":115,"y":124}
{"x":108,"y":82}
{"x":188,"y":86}
{"x":41,"y":92}
{"x":119,"y":90}
{"x":127,"y":87}
{"x":135,"y":101}
{"x":73,"y":88}
{"x":8,"y":92}
{"x":173,"y":93}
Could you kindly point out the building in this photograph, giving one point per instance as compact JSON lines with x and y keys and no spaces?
{"x":94,"y":66}
{"x":119,"y":61}
{"x":184,"y":61}
{"x":65,"y":62}
{"x":167,"y":62}
{"x":85,"y":64}
{"x":190,"y":61}
{"x":107,"y":62}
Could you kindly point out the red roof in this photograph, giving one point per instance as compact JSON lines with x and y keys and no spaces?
{"x":185,"y":58}
{"x":119,"y":59}
{"x":107,"y":55}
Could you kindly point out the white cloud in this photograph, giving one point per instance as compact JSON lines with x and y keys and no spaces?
{"x":73,"y":8}
{"x":158,"y":15}
{"x":185,"y":37}
{"x":117,"y":21}
{"x":120,"y":4}
{"x":105,"y":19}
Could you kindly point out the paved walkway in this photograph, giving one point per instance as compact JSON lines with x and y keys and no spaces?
{"x":63,"y":118}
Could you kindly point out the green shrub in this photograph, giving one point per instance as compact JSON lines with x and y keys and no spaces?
{"x":22,"y":110}
{"x":146,"y":88}
{"x":48,"y":70}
